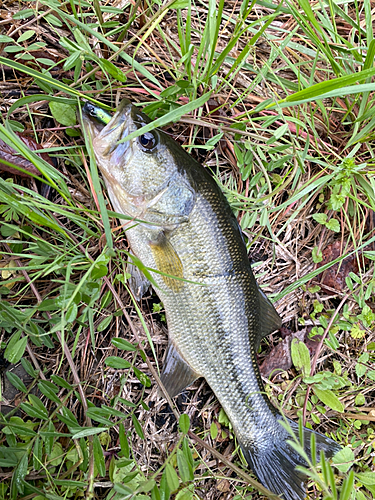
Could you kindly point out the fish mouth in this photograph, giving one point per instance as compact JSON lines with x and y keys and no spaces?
{"x":106,"y":132}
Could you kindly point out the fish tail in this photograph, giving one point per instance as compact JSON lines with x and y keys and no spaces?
{"x":274,"y":461}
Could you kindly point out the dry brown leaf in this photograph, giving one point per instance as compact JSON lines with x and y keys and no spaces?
{"x":223,"y":485}
{"x":279,"y":358}
{"x":334,"y":277}
{"x":8,"y":154}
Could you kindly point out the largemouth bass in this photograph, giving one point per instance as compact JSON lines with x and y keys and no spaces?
{"x":216,"y":313}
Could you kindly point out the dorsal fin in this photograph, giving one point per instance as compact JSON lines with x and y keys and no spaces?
{"x":177,"y":373}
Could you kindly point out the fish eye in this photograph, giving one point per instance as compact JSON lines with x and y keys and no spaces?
{"x":147,"y":141}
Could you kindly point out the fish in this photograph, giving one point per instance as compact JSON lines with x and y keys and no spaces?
{"x":185,"y":231}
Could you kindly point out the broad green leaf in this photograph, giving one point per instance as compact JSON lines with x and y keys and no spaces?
{"x":344,"y":459}
{"x":57,"y":455}
{"x":97,"y":415}
{"x":333,"y":225}
{"x":49,"y":440}
{"x":37,"y":403}
{"x":63,"y":113}
{"x":137,"y":426}
{"x":172,"y":478}
{"x":61,"y":382}
{"x":184,"y":468}
{"x":5,"y":39}
{"x":34,"y":412}
{"x":98,"y":457}
{"x":214,"y":430}
{"x":186,"y":493}
{"x":99,"y":270}
{"x":164,"y":489}
{"x":317,"y":255}
{"x":180,"y":4}
{"x":301,"y":357}
{"x":20,"y":430}
{"x":110,"y":68}
{"x":53,"y":20}
{"x":184,"y":423}
{"x":146,"y":487}
{"x":72,"y":483}
{"x":88,"y":431}
{"x":360,"y":367}
{"x":8,"y":462}
{"x":108,"y":411}
{"x":16,"y":381}
{"x":28,"y":367}
{"x":142,"y":377}
{"x":123,"y":490}
{"x":13,"y":353}
{"x":360,"y":400}
{"x":188,"y":453}
{"x":116,"y":362}
{"x":71,"y":313}
{"x":46,"y":389}
{"x":23,"y":14}
{"x":124,"y":443}
{"x":123,"y":344}
{"x":366,"y":478}
{"x":329,"y":398}
{"x":20,"y":473}
{"x":104,"y":323}
{"x":320,"y":218}
{"x":26,"y":35}
{"x":37,"y":454}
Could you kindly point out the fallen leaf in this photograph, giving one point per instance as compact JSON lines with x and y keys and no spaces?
{"x":223,"y":485}
{"x":279,"y":359}
{"x":8,"y":154}
{"x":334,"y":277}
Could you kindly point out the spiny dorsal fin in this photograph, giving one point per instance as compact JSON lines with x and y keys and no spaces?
{"x":177,"y":373}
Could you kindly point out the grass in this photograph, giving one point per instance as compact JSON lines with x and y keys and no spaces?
{"x":277,"y":101}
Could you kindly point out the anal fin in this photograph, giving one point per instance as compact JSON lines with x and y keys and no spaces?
{"x":177,"y":373}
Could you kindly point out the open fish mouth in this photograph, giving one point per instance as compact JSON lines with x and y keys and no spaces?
{"x":107,"y":132}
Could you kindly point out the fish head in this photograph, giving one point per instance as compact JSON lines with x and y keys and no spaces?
{"x":137,"y":171}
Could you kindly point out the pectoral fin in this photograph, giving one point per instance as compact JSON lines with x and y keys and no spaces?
{"x":168,"y":262}
{"x":269,"y":318}
{"x":177,"y":373}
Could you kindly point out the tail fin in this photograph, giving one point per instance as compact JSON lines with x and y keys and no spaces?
{"x":274,"y":462}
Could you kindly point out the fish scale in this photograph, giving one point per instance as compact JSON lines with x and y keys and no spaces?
{"x":215,"y":311}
